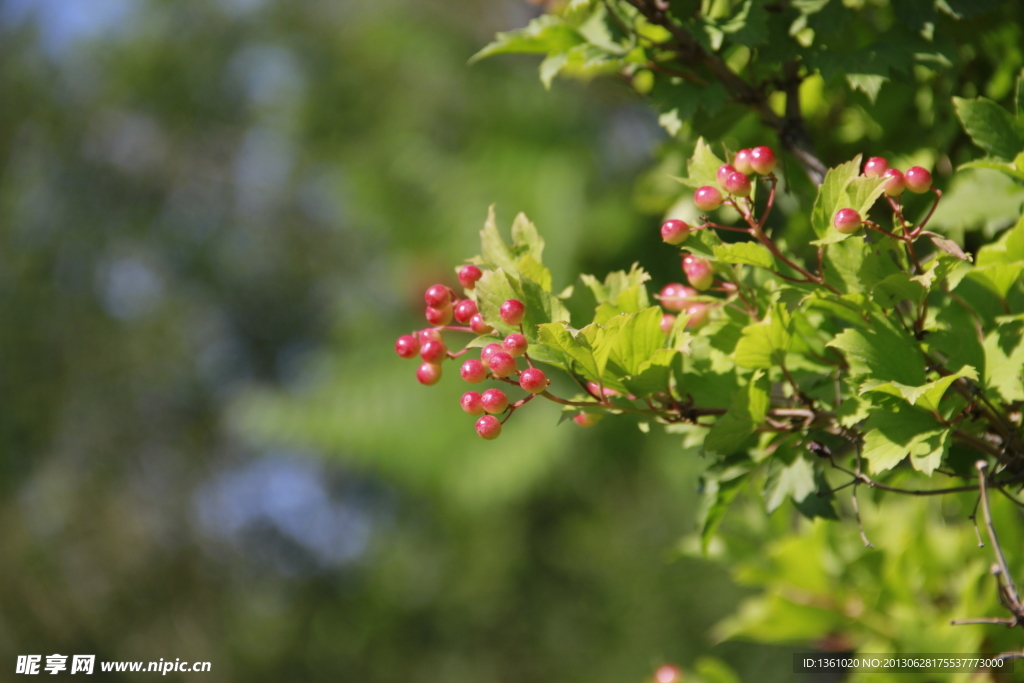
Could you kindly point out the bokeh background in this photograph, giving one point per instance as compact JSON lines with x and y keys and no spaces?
{"x":215,"y":219}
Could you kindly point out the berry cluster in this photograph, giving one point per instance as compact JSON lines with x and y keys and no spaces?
{"x":496,"y":362}
{"x":916,"y":179}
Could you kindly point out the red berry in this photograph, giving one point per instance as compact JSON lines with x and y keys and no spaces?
{"x":488,"y":427}
{"x":512,"y":312}
{"x":473,"y":371}
{"x":698,"y":271}
{"x":738,"y":184}
{"x":742,"y":161}
{"x":501,"y":364}
{"x":477,"y":324}
{"x":586,"y":419}
{"x":439,"y":316}
{"x":595,"y":390}
{"x":488,"y":351}
{"x":676,"y":297}
{"x":470,"y":402}
{"x":707,"y":198}
{"x":468,"y":275}
{"x":699,"y":313}
{"x":515,"y":345}
{"x":847,"y":221}
{"x":668,"y":673}
{"x":465,"y":310}
{"x":494,"y":401}
{"x":438,"y":296}
{"x":875,"y":166}
{"x":668,"y":321}
{"x":674,"y":231}
{"x":762,"y":159}
{"x":895,"y":184}
{"x":917,"y":179}
{"x":433,"y":351}
{"x":723,"y":173}
{"x":428,"y":373}
{"x":407,"y":346}
{"x":533,"y":380}
{"x":429,"y":334}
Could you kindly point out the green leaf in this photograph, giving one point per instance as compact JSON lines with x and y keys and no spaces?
{"x":794,"y":480}
{"x":882,"y":352}
{"x":536,"y":271}
{"x":551,"y":66}
{"x":851,"y":308}
{"x":652,"y":375}
{"x":628,"y":301}
{"x":526,"y":241}
{"x":615,"y":283}
{"x":891,"y":436}
{"x":764,"y":344}
{"x":1009,"y":248}
{"x":990,"y":126}
{"x":493,"y":250}
{"x":899,"y":287}
{"x":745,"y":253}
{"x":926,"y":396}
{"x":720,"y":485}
{"x":633,"y":338}
{"x":703,"y":243}
{"x":1004,"y":362}
{"x":997,"y":277}
{"x":1009,"y":169}
{"x":546,"y":33}
{"x":748,"y":410}
{"x":862,"y":193}
{"x":831,"y":193}
{"x":703,"y":166}
{"x":576,"y":347}
{"x":859,"y":265}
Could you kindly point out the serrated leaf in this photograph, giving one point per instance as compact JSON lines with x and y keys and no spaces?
{"x":615,"y":283}
{"x":536,"y":271}
{"x":493,"y":250}
{"x":1004,"y":367}
{"x":882,"y":352}
{"x":577,"y":348}
{"x":703,"y":166}
{"x":746,"y":412}
{"x":997,"y":277}
{"x":830,"y":193}
{"x":546,"y":33}
{"x":1009,"y":248}
{"x":703,"y":243}
{"x":628,"y":301}
{"x":899,"y":287}
{"x":990,"y":126}
{"x":525,"y":238}
{"x":551,"y":66}
{"x":926,"y":396}
{"x":862,"y":193}
{"x":744,"y":253}
{"x":794,"y":480}
{"x":852,"y":308}
{"x":892,"y":436}
{"x":764,"y":344}
{"x":652,"y":375}
{"x":633,"y":338}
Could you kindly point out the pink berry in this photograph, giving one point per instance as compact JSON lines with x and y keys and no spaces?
{"x":488,"y":427}
{"x":762,"y":159}
{"x":494,"y":401}
{"x":473,"y":371}
{"x":428,"y":373}
{"x":512,"y":312}
{"x":674,"y":231}
{"x":698,"y":271}
{"x":488,"y":351}
{"x":875,"y":166}
{"x":742,"y":162}
{"x":895,"y":184}
{"x":407,"y":346}
{"x":515,"y":345}
{"x":477,"y":324}
{"x":699,"y":313}
{"x":438,"y":296}
{"x":738,"y":184}
{"x":470,"y":402}
{"x":433,"y":351}
{"x":468,"y":275}
{"x":676,"y":297}
{"x":707,"y":198}
{"x":847,"y":221}
{"x":586,"y":419}
{"x":668,"y":321}
{"x":533,"y":380}
{"x":723,"y":173}
{"x":595,"y":390}
{"x":465,"y":310}
{"x":501,"y":364}
{"x":429,"y":334}
{"x":668,"y":673}
{"x":439,"y":316}
{"x":918,"y":180}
